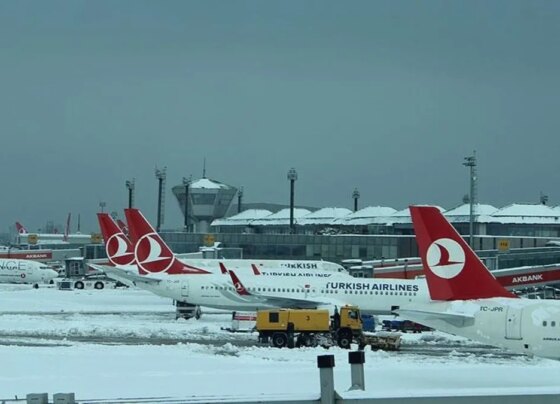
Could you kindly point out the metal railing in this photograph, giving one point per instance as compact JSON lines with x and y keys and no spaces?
{"x":328,"y":393}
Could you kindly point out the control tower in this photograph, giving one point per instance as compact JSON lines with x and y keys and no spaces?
{"x":208,"y":200}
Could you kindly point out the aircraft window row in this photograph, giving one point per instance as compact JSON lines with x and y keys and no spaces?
{"x":371,"y":292}
{"x":253,"y":289}
{"x":356,"y":292}
{"x":552,"y":323}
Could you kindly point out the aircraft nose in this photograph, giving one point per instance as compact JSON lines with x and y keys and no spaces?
{"x":51,"y":274}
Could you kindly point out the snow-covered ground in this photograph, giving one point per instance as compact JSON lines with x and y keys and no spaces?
{"x":126,"y":343}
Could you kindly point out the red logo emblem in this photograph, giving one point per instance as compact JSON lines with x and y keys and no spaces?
{"x":151,"y":255}
{"x":117,"y":250}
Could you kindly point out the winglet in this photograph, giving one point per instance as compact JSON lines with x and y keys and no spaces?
{"x":255,"y":269}
{"x":453,"y":270}
{"x":241,"y":290}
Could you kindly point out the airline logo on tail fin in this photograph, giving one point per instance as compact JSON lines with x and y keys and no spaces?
{"x":241,"y":290}
{"x":119,"y":250}
{"x":20,"y":228}
{"x":118,"y":247}
{"x":453,"y":270}
{"x":151,"y":256}
{"x":151,"y":253}
{"x":445,"y":258}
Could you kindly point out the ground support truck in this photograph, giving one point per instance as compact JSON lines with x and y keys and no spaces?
{"x":299,"y":327}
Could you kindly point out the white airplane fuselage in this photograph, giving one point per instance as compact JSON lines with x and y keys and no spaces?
{"x":25,"y":271}
{"x":520,"y":325}
{"x":373,"y":296}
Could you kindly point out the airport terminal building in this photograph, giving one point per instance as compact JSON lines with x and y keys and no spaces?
{"x":531,"y":232}
{"x":337,"y":234}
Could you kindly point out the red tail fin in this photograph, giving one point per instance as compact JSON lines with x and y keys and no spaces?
{"x":118,"y":247}
{"x":67,"y":228}
{"x":152,"y":254}
{"x":241,"y":290}
{"x":453,"y":270}
{"x":20,"y":228}
{"x":255,"y":269}
{"x":223,"y":268}
{"x":122,"y":225}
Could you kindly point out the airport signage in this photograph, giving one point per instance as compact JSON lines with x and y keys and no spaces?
{"x":35,"y":255}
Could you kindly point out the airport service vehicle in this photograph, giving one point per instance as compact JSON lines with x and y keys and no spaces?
{"x":300,"y":327}
{"x":468,"y":301}
{"x":25,"y":271}
{"x":88,"y":282}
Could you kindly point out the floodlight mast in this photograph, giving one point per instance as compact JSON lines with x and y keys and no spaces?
{"x":292,"y":177}
{"x":356,"y":196}
{"x":470,"y":161}
{"x":161,"y":175}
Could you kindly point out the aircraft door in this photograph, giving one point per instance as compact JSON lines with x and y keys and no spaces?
{"x":513,"y":323}
{"x":184,"y":288}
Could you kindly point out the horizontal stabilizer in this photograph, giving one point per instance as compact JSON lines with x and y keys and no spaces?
{"x":124,"y":274}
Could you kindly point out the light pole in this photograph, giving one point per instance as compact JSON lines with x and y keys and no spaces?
{"x":292,"y":177}
{"x":239,"y":199}
{"x":356,"y":196}
{"x":470,"y":161}
{"x":161,"y":176}
{"x":130,"y":187}
{"x":187,"y":183}
{"x":102,"y":206}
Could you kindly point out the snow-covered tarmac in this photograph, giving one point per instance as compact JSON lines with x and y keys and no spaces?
{"x":126,"y":343}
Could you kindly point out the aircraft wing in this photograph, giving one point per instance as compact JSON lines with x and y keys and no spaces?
{"x":126,"y":276}
{"x":455,"y":319}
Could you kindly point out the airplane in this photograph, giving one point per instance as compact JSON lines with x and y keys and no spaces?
{"x":117,"y":243}
{"x":52,"y":238}
{"x":151,"y":247}
{"x":122,"y":225}
{"x":158,"y":268}
{"x":25,"y":271}
{"x":468,"y":301}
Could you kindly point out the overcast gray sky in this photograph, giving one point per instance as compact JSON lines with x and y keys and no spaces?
{"x":386,"y":96}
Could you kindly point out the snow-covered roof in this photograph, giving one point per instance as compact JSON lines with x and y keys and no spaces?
{"x":382,"y":215}
{"x":526,"y":214}
{"x":324,"y":216}
{"x":368,"y":215}
{"x":207,"y":183}
{"x":482,"y":213}
{"x":464,"y":210}
{"x":526,"y":210}
{"x":243,"y":218}
{"x":281,"y":217}
{"x":403,"y":216}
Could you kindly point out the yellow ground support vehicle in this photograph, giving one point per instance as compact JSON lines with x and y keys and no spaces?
{"x":299,"y":327}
